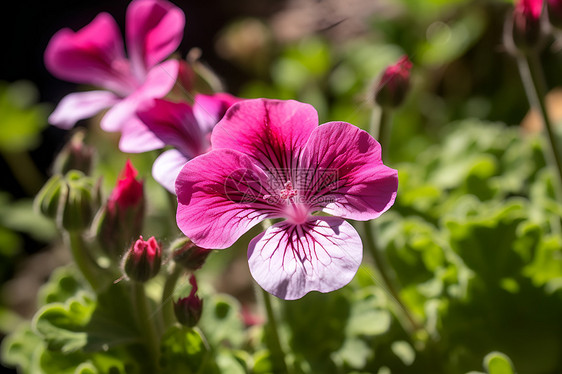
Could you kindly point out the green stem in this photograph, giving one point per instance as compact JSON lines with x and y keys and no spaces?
{"x":85,"y":263}
{"x":274,"y":342}
{"x":387,"y":284}
{"x":533,"y":81}
{"x":167,"y":295}
{"x":380,"y":127}
{"x":146,"y":324}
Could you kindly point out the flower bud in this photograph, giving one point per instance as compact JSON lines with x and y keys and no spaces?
{"x":143,"y":260}
{"x":188,"y":255}
{"x":48,"y":200}
{"x":554,"y":10}
{"x":188,"y":309}
{"x":121,"y":219}
{"x":525,"y":28}
{"x":80,"y":202}
{"x":75,"y":155}
{"x":393,"y":85}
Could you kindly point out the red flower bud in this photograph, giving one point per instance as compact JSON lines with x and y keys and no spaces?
{"x":526,"y":29}
{"x":554,"y":9}
{"x":128,"y":192}
{"x":188,"y":309}
{"x":143,"y":260}
{"x":392,"y":87}
{"x":187,"y":254}
{"x":122,"y":217}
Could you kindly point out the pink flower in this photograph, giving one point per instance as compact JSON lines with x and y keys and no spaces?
{"x":95,"y":55}
{"x":186,"y":128}
{"x":271,"y":160}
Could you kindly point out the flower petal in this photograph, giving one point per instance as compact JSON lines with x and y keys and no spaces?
{"x":209,"y":109}
{"x":289,"y":261}
{"x":158,"y":83}
{"x":273,"y":132}
{"x":80,"y":105}
{"x":154,"y":29}
{"x":136,"y":137}
{"x":220,"y":197}
{"x":175,"y":124}
{"x":166,"y":168}
{"x":93,"y":55}
{"x":355,"y":182}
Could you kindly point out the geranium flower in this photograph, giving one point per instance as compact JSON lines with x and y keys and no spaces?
{"x":186,"y":128}
{"x":271,"y":160}
{"x":95,"y":55}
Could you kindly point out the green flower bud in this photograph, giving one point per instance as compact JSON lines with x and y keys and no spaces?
{"x":80,"y":202}
{"x":49,"y":199}
{"x":75,"y":155}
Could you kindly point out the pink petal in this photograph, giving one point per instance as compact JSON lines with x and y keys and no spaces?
{"x":136,"y":137}
{"x":209,"y":109}
{"x":220,"y":197}
{"x":80,"y":105}
{"x":166,"y":168}
{"x":271,"y":131}
{"x":154,"y":29}
{"x":175,"y":125}
{"x":158,"y":83}
{"x":289,"y":261}
{"x":93,"y":55}
{"x":365,"y":188}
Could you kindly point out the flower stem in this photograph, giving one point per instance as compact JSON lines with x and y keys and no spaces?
{"x":167,"y":295}
{"x":533,"y":80}
{"x":24,"y":170}
{"x":85,"y":264}
{"x":380,"y":128}
{"x":387,"y":284}
{"x":145,"y":323}
{"x":273,"y":340}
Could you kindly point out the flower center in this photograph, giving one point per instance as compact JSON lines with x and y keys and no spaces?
{"x":294,"y":210}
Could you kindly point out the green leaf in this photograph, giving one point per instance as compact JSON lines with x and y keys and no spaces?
{"x":498,"y":363}
{"x":221,"y":322}
{"x":64,"y":283}
{"x":183,"y":351}
{"x":22,"y":119}
{"x":21,"y":348}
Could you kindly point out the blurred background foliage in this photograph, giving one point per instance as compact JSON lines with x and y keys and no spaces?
{"x":474,"y":239}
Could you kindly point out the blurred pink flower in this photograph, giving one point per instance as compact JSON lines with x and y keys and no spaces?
{"x":271,"y":160}
{"x":394,"y":83}
{"x":95,"y":55}
{"x":186,"y":128}
{"x":527,"y":24}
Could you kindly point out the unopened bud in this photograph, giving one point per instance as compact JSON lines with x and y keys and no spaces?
{"x":554,"y":10}
{"x":143,"y":260}
{"x":121,"y":219}
{"x":79,"y":203}
{"x":525,"y":27}
{"x":75,"y":155}
{"x":49,"y":199}
{"x":188,"y":255}
{"x":188,"y":309}
{"x":393,"y":85}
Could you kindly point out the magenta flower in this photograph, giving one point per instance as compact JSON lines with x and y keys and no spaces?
{"x":271,"y":160}
{"x":95,"y":55}
{"x":186,"y":128}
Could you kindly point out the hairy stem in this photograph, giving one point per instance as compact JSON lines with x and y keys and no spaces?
{"x":533,"y":80}
{"x":273,"y":339}
{"x":145,"y":324}
{"x":85,"y":263}
{"x":167,"y":295}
